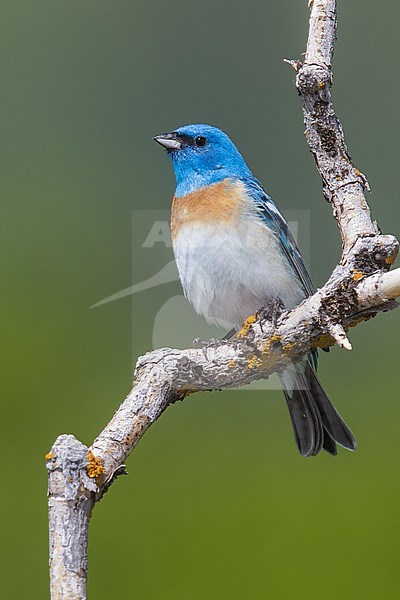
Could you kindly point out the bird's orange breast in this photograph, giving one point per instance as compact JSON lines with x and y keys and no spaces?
{"x":221,"y":203}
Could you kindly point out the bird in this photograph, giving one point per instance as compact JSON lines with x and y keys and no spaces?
{"x":235,"y":254}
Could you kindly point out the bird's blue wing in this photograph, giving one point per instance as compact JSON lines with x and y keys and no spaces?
{"x":273,"y":218}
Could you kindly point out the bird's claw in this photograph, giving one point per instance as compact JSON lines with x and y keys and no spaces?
{"x":272,"y":311}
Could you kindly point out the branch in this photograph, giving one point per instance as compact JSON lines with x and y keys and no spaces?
{"x":70,"y":504}
{"x":343,"y":183}
{"x":359,"y":287}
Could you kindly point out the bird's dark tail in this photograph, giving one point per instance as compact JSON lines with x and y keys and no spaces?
{"x":316,"y":423}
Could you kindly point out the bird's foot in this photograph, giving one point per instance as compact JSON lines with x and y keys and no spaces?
{"x":272,"y":311}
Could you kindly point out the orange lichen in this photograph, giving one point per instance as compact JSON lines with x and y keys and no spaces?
{"x":323,"y":341}
{"x":254,"y":362}
{"x":390,"y":259}
{"x":321,"y":85}
{"x":231,"y":364}
{"x":95,"y":467}
{"x":357,"y":275}
{"x":49,"y":456}
{"x":357,"y":172}
{"x":268,"y":344}
{"x":265,"y":360}
{"x":246,"y":326}
{"x":289,"y":348}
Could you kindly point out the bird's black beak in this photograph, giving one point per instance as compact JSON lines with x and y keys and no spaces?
{"x":170,"y":140}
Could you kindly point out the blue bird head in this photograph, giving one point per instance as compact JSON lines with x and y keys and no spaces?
{"x":202,"y":155}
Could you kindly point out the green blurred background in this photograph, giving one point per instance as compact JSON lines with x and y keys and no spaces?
{"x":218,"y":503}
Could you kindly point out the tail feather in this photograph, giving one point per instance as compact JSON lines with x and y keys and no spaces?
{"x":306,"y":421}
{"x":316,"y":423}
{"x":329,"y":444}
{"x":332,"y":421}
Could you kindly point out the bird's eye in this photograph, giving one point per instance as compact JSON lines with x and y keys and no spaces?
{"x":200,"y":141}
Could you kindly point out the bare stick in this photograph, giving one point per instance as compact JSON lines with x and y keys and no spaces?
{"x":359,"y":287}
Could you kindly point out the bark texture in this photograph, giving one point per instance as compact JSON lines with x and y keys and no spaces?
{"x":359,"y":287}
{"x":71,"y":492}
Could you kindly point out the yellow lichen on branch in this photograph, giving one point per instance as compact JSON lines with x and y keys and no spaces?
{"x":254,"y":362}
{"x":246,"y":326}
{"x":265,"y":359}
{"x":95,"y":467}
{"x":390,"y":259}
{"x":273,"y":340}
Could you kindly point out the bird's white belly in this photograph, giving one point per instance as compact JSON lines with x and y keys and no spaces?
{"x":229,"y":272}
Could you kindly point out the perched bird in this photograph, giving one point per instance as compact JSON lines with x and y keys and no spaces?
{"x":235,"y":254}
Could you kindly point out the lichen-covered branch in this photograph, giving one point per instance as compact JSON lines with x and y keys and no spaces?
{"x":343,"y":183}
{"x":360,"y":286}
{"x":71,"y":491}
